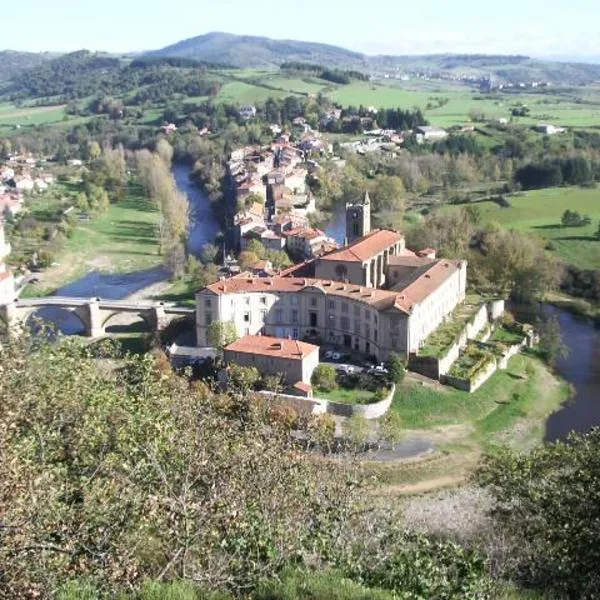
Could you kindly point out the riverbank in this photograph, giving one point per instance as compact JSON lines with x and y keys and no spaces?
{"x":576,"y":306}
{"x":123,"y":239}
{"x":510,"y":409}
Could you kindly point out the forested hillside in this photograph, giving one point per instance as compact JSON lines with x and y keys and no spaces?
{"x":12,"y":62}
{"x":81,"y":74}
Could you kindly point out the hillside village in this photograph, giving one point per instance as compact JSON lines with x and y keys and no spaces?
{"x":19,"y":175}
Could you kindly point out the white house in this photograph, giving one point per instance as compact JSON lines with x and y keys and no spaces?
{"x":24,"y":184}
{"x":426,"y":133}
{"x":548,"y":129}
{"x":248,"y":111}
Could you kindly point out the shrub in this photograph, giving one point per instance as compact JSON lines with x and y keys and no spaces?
{"x":325,"y":378}
{"x":396,"y":369}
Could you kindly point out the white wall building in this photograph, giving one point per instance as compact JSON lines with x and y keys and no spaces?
{"x":367,"y":320}
{"x":7,"y":282}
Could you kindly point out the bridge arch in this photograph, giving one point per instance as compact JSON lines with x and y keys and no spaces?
{"x":67,"y":320}
{"x":132,"y":318}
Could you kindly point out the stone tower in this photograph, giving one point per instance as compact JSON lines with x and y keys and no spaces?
{"x":358,"y":219}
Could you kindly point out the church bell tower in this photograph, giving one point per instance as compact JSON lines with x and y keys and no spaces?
{"x":358,"y":219}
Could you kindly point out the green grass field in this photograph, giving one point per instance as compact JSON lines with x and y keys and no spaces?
{"x":11,"y":115}
{"x":525,"y":392}
{"x":540,"y":211}
{"x":121,"y":240}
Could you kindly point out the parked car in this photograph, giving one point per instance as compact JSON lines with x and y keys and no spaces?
{"x":347,"y":369}
{"x":328,"y":354}
{"x":377,"y":370}
{"x":336,"y":356}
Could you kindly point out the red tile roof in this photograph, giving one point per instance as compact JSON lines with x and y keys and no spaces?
{"x":366,"y":247}
{"x":303,"y":387}
{"x":271,"y":346}
{"x":426,"y":284}
{"x":403,"y":300}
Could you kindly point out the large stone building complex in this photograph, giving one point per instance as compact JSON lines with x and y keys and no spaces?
{"x":373,"y":296}
{"x":364,"y":319}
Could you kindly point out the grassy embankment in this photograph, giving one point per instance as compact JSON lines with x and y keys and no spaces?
{"x":123,"y":239}
{"x":511,"y":408}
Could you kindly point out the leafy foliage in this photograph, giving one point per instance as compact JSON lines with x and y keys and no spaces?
{"x":118,"y":472}
{"x":548,"y":503}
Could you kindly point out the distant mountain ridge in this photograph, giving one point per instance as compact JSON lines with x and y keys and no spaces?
{"x":246,"y":51}
{"x":253,"y":51}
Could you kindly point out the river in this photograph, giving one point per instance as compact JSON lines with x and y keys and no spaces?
{"x":581,"y":368}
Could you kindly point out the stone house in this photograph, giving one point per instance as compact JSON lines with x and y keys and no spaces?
{"x":293,"y":359}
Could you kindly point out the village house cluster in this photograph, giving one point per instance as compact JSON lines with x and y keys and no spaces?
{"x":372,"y":297}
{"x":271,"y":189}
{"x":19,"y":175}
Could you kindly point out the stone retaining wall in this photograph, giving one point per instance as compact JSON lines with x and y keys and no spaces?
{"x":436,"y":367}
{"x":319,"y":406}
{"x":470,"y":385}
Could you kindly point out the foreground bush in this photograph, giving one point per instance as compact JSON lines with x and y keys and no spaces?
{"x":116,"y":473}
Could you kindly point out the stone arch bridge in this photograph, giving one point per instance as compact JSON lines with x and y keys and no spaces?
{"x":94,"y":313}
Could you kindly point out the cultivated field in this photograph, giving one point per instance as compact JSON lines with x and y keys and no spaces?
{"x":11,"y":115}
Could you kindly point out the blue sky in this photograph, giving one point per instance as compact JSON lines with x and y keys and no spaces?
{"x":535,"y":27}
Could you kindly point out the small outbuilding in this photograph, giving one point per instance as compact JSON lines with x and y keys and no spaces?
{"x":294,"y":359}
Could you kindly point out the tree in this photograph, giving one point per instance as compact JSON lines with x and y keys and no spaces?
{"x":246,"y":259}
{"x":391,"y":428}
{"x":274,"y":383}
{"x":546,"y":504}
{"x":324,"y":377}
{"x":221,"y":334}
{"x":160,"y":187}
{"x":256,"y":248}
{"x":356,"y":429}
{"x":572,"y":218}
{"x":551,"y":343}
{"x":209,"y":253}
{"x":243,"y":379}
{"x":112,"y":163}
{"x":165,"y":151}
{"x":395,"y":368}
{"x":388,"y":194}
{"x":278,"y":258}
{"x":120,"y":475}
{"x":93,"y":149}
{"x":512,"y":263}
{"x":597,"y":234}
{"x":82,"y":202}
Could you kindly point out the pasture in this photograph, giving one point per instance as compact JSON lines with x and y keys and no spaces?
{"x":11,"y":115}
{"x":539,"y":212}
